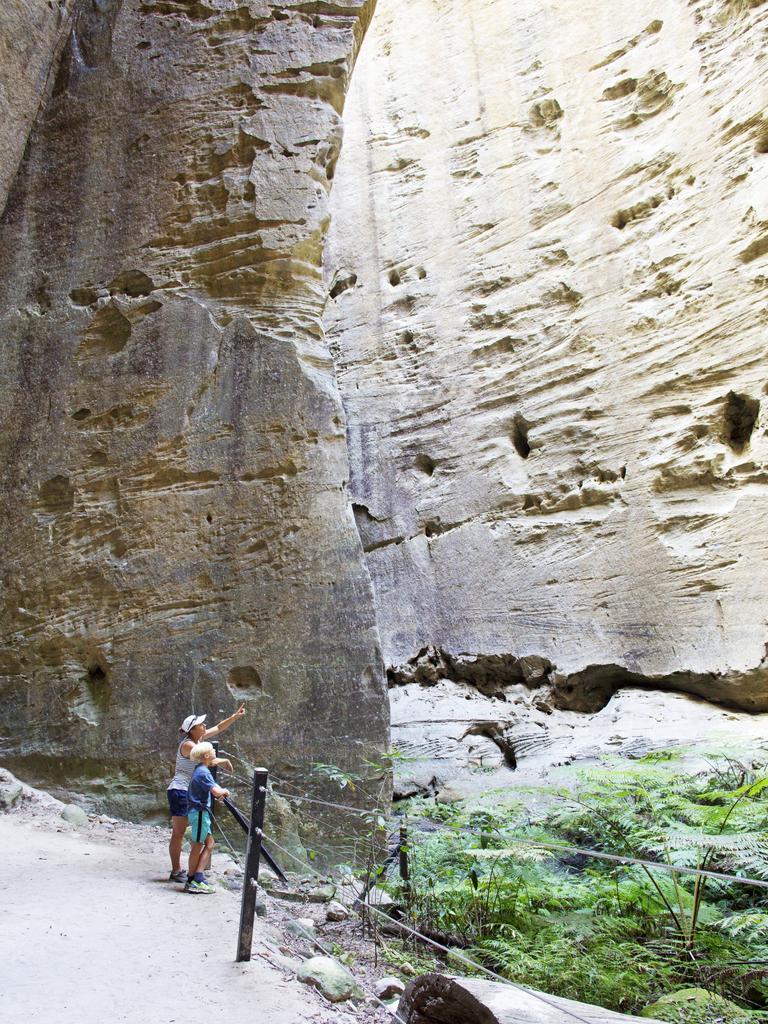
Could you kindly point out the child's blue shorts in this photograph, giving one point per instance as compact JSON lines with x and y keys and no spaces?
{"x":177,"y":801}
{"x":200,"y":825}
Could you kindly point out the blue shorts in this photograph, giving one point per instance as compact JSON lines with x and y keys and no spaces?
{"x":177,"y":801}
{"x":199,"y":825}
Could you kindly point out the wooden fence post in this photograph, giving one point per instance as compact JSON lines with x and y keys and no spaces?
{"x":250,"y":881}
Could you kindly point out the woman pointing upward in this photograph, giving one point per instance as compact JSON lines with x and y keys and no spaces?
{"x":194,"y":731}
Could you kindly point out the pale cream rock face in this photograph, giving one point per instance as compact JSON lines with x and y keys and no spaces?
{"x":456,"y":743}
{"x":548,"y":267}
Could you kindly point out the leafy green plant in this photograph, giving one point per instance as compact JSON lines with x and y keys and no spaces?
{"x":682,"y":821}
{"x":400,"y":954}
{"x":332,"y":772}
{"x":343,"y":955}
{"x":619,"y":935}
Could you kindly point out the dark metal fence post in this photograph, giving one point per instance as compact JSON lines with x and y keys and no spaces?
{"x":250,"y":881}
{"x":404,"y":872}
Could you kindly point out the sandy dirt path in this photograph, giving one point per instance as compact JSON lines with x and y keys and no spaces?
{"x":89,"y":937}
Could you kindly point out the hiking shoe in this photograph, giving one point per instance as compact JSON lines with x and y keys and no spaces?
{"x":198,"y":887}
{"x":177,"y":876}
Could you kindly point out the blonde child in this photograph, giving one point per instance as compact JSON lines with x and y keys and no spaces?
{"x":202,"y":787}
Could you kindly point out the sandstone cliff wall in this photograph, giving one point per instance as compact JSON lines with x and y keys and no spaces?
{"x":177,"y":529}
{"x":547,"y":276}
{"x":548,"y":270}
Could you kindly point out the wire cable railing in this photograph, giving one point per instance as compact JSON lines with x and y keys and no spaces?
{"x":624,"y":859}
{"x":453,"y":953}
{"x":367,"y":812}
{"x":232,"y":851}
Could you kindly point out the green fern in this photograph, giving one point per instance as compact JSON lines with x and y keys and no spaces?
{"x":746,"y":924}
{"x":615,"y":935}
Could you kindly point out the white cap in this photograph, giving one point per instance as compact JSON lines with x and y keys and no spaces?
{"x":191,"y":721}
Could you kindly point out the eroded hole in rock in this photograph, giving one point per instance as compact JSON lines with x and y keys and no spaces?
{"x":283,"y":469}
{"x":370,"y":529}
{"x":93,"y":695}
{"x":57,"y":494}
{"x":134,"y":283}
{"x":84,"y":296}
{"x":341,"y":283}
{"x":590,"y":690}
{"x":244,"y":681}
{"x":638,"y":211}
{"x":425,"y":465}
{"x":546,"y":113}
{"x":107,"y":334}
{"x":39,"y":295}
{"x":433,"y":527}
{"x":620,"y":89}
{"x":394,"y":278}
{"x":88,"y":696}
{"x":754,"y":250}
{"x":81,"y":414}
{"x":761,"y":146}
{"x":739,"y":417}
{"x":563,"y":293}
{"x":520,"y":428}
{"x":367,"y":677}
{"x":330,"y":167}
{"x":209,"y":518}
{"x":497,"y":735}
{"x":488,"y":673}
{"x":363,"y":512}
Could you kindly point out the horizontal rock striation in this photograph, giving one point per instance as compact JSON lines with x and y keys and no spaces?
{"x":548,"y":271}
{"x":588,"y":690}
{"x":466,"y":725}
{"x":178,"y":533}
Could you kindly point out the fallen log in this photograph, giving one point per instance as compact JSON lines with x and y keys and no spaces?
{"x":439,"y":999}
{"x":391,"y":926}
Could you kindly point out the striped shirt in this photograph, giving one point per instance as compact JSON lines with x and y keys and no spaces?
{"x":184,"y":769}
